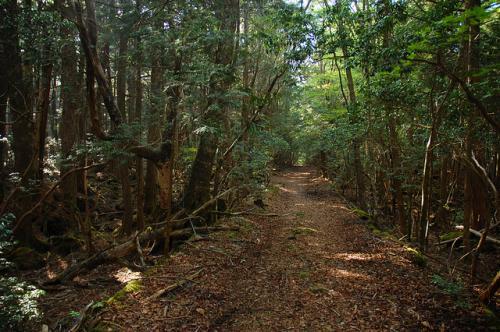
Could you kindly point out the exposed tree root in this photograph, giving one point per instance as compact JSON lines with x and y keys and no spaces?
{"x":490,"y":291}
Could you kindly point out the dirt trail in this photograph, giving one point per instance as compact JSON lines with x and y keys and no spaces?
{"x":316,"y":268}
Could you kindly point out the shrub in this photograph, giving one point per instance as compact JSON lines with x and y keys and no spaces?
{"x":17,"y":298}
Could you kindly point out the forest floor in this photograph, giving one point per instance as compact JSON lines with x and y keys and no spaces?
{"x":314,"y":267}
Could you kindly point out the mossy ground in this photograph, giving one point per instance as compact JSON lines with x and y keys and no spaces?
{"x":131,"y":287}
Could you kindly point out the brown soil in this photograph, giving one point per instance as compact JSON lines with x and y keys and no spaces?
{"x":316,"y":267}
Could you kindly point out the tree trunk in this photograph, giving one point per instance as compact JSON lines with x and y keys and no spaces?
{"x":20,"y":107}
{"x":470,"y":63}
{"x":198,"y":187}
{"x":123,"y":166}
{"x":138,"y":118}
{"x":70,"y":89}
{"x":19,"y":93}
{"x":4,"y":91}
{"x":396,"y":174}
{"x":154,"y":132}
{"x":43,"y":109}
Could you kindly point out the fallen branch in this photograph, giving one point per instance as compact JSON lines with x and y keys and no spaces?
{"x":248,"y":213}
{"x":459,"y":237}
{"x":180,"y":233}
{"x":488,"y":238}
{"x":121,"y":250}
{"x":449,"y":241}
{"x":175,"y":285}
{"x":480,"y":233}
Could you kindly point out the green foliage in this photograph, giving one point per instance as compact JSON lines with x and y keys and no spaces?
{"x":447,"y":286}
{"x":74,"y":314}
{"x":17,"y":298}
{"x":452,"y":288}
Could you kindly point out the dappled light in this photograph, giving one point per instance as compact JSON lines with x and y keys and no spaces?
{"x":249,"y":165}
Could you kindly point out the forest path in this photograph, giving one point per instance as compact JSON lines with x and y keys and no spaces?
{"x":315,"y":268}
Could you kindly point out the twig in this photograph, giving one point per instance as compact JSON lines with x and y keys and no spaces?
{"x":451,"y":253}
{"x":81,"y":318}
{"x":175,"y":285}
{"x":248,"y":213}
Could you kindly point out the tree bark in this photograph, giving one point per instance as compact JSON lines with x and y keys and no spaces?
{"x":154,"y":131}
{"x":138,"y":118}
{"x":470,"y":63}
{"x":198,"y":187}
{"x":123,"y":165}
{"x":43,"y":108}
{"x":70,"y":89}
{"x":21,"y":112}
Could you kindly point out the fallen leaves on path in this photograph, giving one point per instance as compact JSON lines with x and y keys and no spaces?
{"x":315,"y":268}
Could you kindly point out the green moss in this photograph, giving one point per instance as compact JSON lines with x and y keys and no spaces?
{"x":416,"y":257}
{"x":450,"y":236}
{"x":303,"y":230}
{"x":372,"y":227}
{"x":377,"y":231}
{"x":130,"y":287}
{"x":362,"y":214}
{"x":300,"y":214}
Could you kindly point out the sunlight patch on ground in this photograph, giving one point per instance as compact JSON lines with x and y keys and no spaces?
{"x":61,"y":264}
{"x":340,"y":207}
{"x":353,"y":257}
{"x":125,"y":275}
{"x":348,"y":274}
{"x":288,"y":190}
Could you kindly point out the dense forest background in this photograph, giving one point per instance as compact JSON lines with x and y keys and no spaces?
{"x":127,"y":121}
